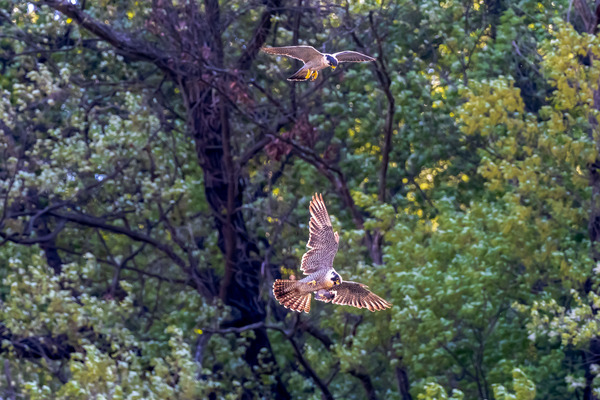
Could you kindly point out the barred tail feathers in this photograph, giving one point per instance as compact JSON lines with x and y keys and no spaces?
{"x":282,"y":287}
{"x":286,"y":293}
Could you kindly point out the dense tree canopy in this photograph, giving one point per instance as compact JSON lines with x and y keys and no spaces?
{"x":156,"y":171}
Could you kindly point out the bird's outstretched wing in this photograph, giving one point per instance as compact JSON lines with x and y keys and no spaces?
{"x":354,"y":294}
{"x":352,"y":56}
{"x":322,"y":241}
{"x":302,"y":53}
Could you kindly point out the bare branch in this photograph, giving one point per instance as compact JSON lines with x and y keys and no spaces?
{"x":240,"y":329}
{"x":11,"y":389}
{"x":365,"y":380}
{"x":585,"y":12}
{"x":384,"y":79}
{"x":260,"y":35}
{"x":128,"y":46}
{"x":99,"y":223}
{"x":16,"y":238}
{"x":311,"y":372}
{"x":95,"y":222}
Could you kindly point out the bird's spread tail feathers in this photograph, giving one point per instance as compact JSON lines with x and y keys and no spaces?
{"x":286,"y":293}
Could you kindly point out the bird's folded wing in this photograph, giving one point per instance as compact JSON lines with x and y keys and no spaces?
{"x":303,"y":53}
{"x":322,"y":242}
{"x":300,"y":75}
{"x":352,"y":56}
{"x":324,"y":295}
{"x":357,"y":295}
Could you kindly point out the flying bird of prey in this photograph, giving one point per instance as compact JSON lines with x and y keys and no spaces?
{"x":322,"y":279}
{"x":314,"y":60}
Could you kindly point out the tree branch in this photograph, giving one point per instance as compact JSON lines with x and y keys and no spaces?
{"x":95,"y":222}
{"x":34,"y":347}
{"x":365,"y":380}
{"x":585,"y":12}
{"x":128,"y":46}
{"x":384,"y":78}
{"x":259,"y":37}
{"x":10,"y":392}
{"x":313,"y":374}
{"x":240,"y":329}
{"x":99,"y":223}
{"x":40,"y":239}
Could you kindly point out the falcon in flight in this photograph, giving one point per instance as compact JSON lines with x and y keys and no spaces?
{"x":314,"y":60}
{"x":322,"y":279}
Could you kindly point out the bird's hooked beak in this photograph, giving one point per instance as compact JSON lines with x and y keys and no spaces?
{"x":337,"y":280}
{"x":333,"y":67}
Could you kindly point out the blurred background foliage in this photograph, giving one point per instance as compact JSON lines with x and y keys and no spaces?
{"x":156,"y":171}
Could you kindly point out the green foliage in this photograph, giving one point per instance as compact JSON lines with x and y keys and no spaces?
{"x":524,"y":388}
{"x":433,"y":391}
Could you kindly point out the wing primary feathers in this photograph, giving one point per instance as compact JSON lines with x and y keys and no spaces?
{"x":352,"y":56}
{"x":357,"y":295}
{"x":322,"y":242}
{"x":302,"y":53}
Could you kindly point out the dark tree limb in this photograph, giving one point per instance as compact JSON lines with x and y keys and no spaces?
{"x":311,"y":372}
{"x":237,"y":329}
{"x":260,"y":35}
{"x":255,"y":149}
{"x":36,"y":347}
{"x":289,"y":334}
{"x":590,"y":21}
{"x":586,"y":14}
{"x":100,"y":223}
{"x":201,"y":343}
{"x":366,"y":382}
{"x":10,"y":392}
{"x":128,"y":46}
{"x":403,"y":383}
{"x":49,"y":237}
{"x":95,"y":222}
{"x":384,"y":79}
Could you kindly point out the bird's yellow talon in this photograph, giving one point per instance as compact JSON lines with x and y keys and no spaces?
{"x":313,"y":282}
{"x":314,"y":75}
{"x":308,"y":73}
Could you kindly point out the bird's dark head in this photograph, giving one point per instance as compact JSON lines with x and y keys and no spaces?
{"x":331,"y":60}
{"x":336,"y":279}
